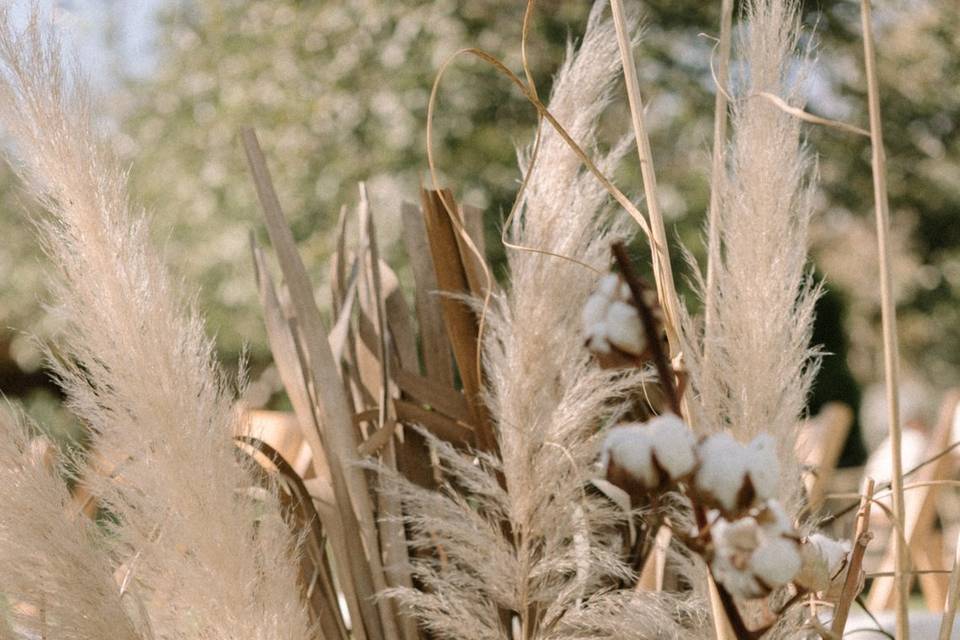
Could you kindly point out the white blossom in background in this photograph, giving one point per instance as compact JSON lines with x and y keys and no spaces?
{"x":727,"y":466}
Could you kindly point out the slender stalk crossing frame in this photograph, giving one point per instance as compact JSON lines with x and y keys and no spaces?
{"x":662,"y":271}
{"x":890,"y":351}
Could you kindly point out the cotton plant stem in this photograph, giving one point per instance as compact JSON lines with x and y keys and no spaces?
{"x":649,"y":324}
{"x":890,"y":356}
{"x":663,"y":273}
{"x":716,"y":171}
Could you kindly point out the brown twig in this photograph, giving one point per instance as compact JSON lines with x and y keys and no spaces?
{"x":637,"y":287}
{"x":861,"y":539}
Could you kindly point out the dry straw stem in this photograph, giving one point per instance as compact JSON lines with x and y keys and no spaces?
{"x":662,"y":270}
{"x":888,"y":313}
{"x":721,"y":624}
{"x":139,"y":370}
{"x":716,"y":170}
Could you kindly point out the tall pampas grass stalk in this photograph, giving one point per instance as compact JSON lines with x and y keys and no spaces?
{"x":761,"y":365}
{"x":526,"y":556}
{"x":139,"y":371}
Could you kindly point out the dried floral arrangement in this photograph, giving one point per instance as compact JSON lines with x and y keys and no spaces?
{"x":570,"y":454}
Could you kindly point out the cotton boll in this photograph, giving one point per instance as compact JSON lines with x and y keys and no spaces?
{"x":629,"y":449}
{"x":612,"y":325}
{"x":624,"y":330}
{"x":608,"y":286}
{"x":594,"y":312}
{"x":736,"y":580}
{"x":742,"y":534}
{"x":723,"y":466}
{"x":644,"y":457}
{"x":734,"y":543}
{"x":673,"y":444}
{"x":823,"y":559}
{"x":776,"y":561}
{"x":764,"y":466}
{"x":835,"y":552}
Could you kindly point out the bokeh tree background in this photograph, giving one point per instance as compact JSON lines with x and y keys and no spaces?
{"x":338,"y":92}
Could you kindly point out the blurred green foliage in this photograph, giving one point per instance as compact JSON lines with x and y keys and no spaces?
{"x":338,"y":93}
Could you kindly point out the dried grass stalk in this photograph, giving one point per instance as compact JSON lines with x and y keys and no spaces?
{"x":891,"y":357}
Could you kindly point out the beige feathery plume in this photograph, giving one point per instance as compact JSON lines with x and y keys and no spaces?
{"x":760,"y":364}
{"x":209,"y":560}
{"x":529,"y":549}
{"x":54,"y":573}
